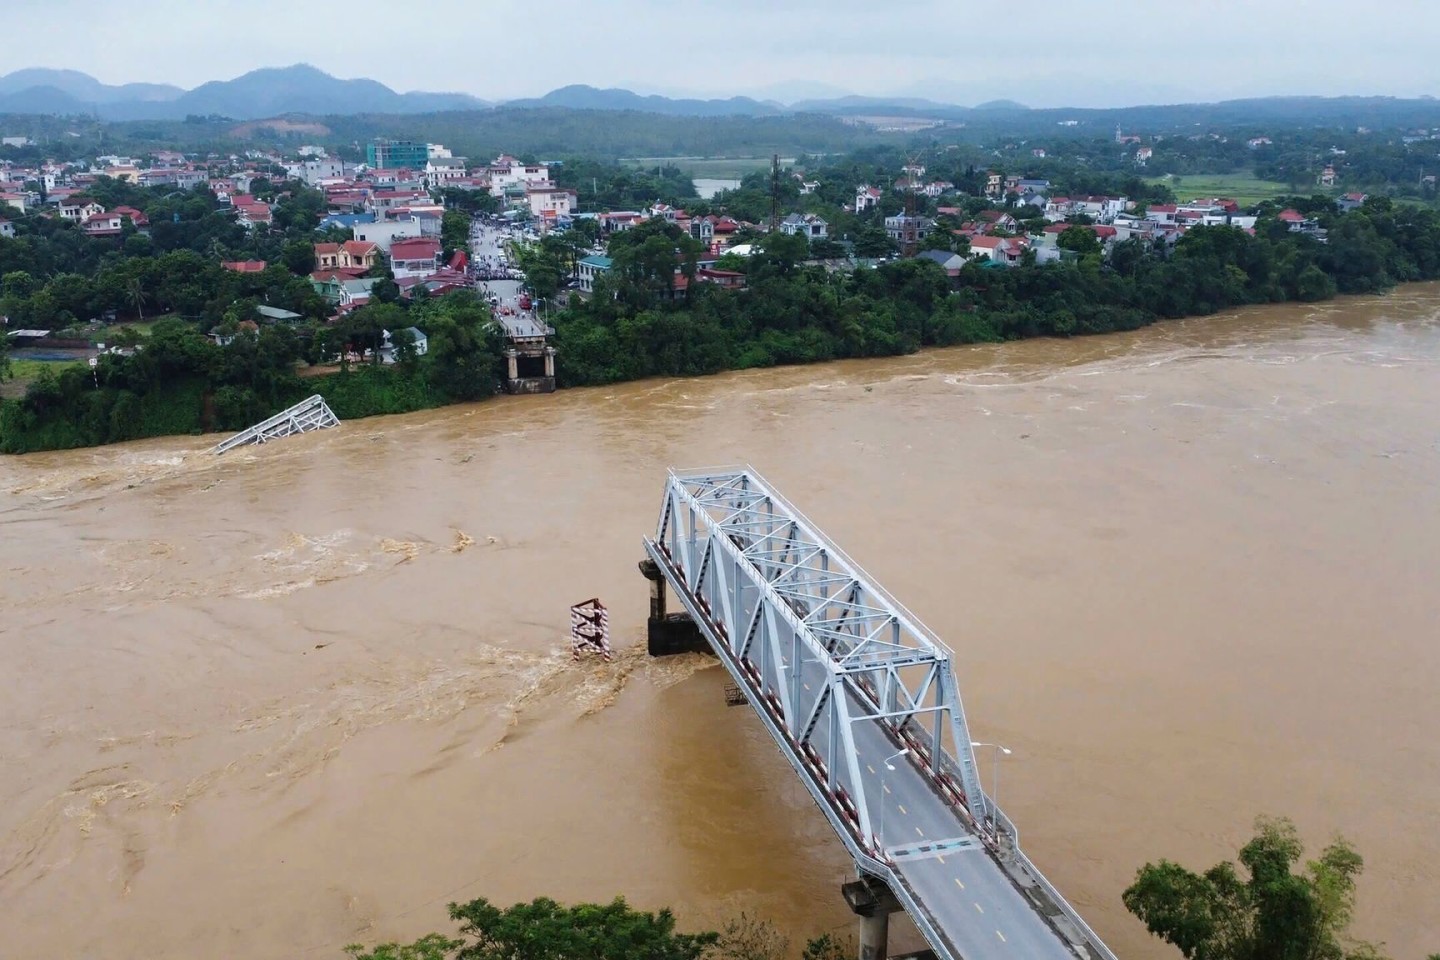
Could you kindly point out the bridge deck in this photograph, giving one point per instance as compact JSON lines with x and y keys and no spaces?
{"x":845,"y":678}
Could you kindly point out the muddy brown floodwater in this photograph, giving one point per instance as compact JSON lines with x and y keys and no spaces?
{"x":268,"y":704}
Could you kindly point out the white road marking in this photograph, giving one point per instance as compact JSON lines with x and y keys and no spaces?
{"x":870,"y":768}
{"x":942,"y":860}
{"x":919,"y":831}
{"x":887,"y":789}
{"x":1000,"y":935}
{"x":978,"y":907}
{"x":901,"y":806}
{"x":959,"y":884}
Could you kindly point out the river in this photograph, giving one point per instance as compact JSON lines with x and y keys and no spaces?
{"x":272,"y":703}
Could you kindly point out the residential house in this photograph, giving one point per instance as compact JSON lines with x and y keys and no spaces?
{"x":276,"y":315}
{"x":136,"y":218}
{"x":551,"y":201}
{"x":867,"y":197}
{"x":7,"y":229}
{"x":442,"y":171}
{"x":1351,"y":201}
{"x":999,"y":220}
{"x":414,"y":258}
{"x":1143,"y":155}
{"x":950,"y":262}
{"x":320,"y":169}
{"x":913,"y":170}
{"x":127,"y":173}
{"x":507,"y":173}
{"x":78,"y":209}
{"x":384,"y":234}
{"x":994,"y":185}
{"x":591,"y":267}
{"x":253,"y":216}
{"x":103,"y":225}
{"x":1299,"y":223}
{"x":357,"y":255}
{"x":809,"y":186}
{"x":808,"y":225}
{"x":344,"y":221}
{"x":1007,"y":251}
{"x":703,"y":229}
{"x":244,"y":266}
{"x":1258,"y":142}
{"x":907,"y":229}
{"x":936,"y":188}
{"x":1327,"y":176}
{"x":729,"y":279}
{"x":355,"y":293}
{"x":17,"y":201}
{"x":384,"y":202}
{"x":619,"y":220}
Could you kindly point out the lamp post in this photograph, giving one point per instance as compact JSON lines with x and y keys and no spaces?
{"x":995,"y":788}
{"x":891,"y":767}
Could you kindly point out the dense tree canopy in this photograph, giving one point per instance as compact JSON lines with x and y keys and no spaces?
{"x":1271,"y":913}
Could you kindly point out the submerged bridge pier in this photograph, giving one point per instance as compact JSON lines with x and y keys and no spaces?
{"x":863,"y":703}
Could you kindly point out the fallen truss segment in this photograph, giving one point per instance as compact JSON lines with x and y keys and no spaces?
{"x":311,"y":414}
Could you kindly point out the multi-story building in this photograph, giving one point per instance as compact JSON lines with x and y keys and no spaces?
{"x":393,"y":154}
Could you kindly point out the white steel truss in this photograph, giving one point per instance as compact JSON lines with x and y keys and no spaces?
{"x":311,"y":414}
{"x":777,"y":592}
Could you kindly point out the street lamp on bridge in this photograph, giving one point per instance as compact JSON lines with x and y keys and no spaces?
{"x":995,"y":780}
{"x":891,"y":767}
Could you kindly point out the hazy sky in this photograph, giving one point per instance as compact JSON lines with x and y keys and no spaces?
{"x":1040,"y":52}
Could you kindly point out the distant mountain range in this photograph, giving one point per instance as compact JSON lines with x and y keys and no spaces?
{"x":272,"y":91}
{"x":303,"y":89}
{"x":253,"y":96}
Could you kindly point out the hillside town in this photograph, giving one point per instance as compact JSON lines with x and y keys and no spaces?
{"x":392,"y":211}
{"x":325,"y":245}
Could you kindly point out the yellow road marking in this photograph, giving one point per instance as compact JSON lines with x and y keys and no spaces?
{"x":901,"y":806}
{"x":959,"y":884}
{"x":1000,"y":935}
{"x":978,"y":907}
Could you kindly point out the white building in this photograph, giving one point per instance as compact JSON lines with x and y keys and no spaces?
{"x":384,"y":233}
{"x":808,"y":225}
{"x":507,"y":173}
{"x":551,"y":201}
{"x":319,"y":169}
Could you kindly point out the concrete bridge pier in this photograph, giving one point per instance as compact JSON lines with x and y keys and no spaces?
{"x":873,"y":903}
{"x":668,"y":633}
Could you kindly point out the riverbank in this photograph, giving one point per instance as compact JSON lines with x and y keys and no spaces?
{"x":639,"y":324}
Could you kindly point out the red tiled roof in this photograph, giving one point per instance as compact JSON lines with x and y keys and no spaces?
{"x":244,"y":266}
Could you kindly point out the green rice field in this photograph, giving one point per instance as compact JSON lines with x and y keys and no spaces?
{"x":1243,"y":188}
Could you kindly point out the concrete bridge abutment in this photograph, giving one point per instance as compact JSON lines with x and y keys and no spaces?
{"x":871,"y":900}
{"x":668,"y":633}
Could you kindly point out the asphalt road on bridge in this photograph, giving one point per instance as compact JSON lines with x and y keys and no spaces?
{"x":965,"y":891}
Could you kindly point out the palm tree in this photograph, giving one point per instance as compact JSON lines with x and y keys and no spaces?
{"x":136,"y":292}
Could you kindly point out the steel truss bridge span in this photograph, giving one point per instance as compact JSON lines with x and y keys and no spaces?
{"x":862,"y":700}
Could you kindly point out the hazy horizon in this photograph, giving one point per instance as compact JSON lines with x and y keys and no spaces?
{"x":954,"y":51}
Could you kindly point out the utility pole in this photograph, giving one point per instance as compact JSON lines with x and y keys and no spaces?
{"x":774,"y":192}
